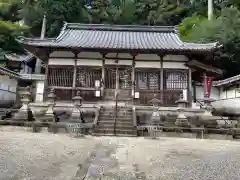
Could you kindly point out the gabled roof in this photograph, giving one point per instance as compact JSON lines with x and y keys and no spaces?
{"x":227,"y":81}
{"x":119,"y":37}
{"x":205,"y":67}
{"x":22,"y":58}
{"x":7,"y":72}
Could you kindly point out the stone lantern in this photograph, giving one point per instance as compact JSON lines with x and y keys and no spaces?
{"x":76,"y":113}
{"x":155,"y":101}
{"x":22,"y":113}
{"x":155,"y":118}
{"x":207,"y":105}
{"x":76,"y":118}
{"x":51,"y":102}
{"x":181,"y":118}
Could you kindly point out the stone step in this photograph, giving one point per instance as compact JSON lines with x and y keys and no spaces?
{"x":119,"y":107}
{"x":114,"y":109}
{"x":120,"y":135}
{"x":117,"y":118}
{"x":117,"y":131}
{"x":118,"y":122}
{"x":113,"y":113}
{"x":120,"y":126}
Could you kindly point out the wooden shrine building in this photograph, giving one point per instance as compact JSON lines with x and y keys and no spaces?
{"x":123,"y":63}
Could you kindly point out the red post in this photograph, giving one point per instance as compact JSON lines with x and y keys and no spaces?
{"x":208,"y":80}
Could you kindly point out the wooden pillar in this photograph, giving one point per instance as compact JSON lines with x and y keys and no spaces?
{"x":45,"y":93}
{"x":204,"y":85}
{"x":74,"y":76}
{"x":161,"y":77}
{"x":133,"y":79}
{"x":117,"y":79}
{"x":103,"y":75}
{"x":190,"y":89}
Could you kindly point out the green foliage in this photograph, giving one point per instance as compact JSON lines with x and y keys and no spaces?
{"x":57,"y":12}
{"x":150,"y":12}
{"x":8,"y":26}
{"x":188,"y":24}
{"x":225,"y":29}
{"x":190,"y":14}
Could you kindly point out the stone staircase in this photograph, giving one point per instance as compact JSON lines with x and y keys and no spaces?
{"x":124,"y":123}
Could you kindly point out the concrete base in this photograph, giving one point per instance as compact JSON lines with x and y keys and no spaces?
{"x":21,"y":115}
{"x":198,"y":135}
{"x":176,"y":134}
{"x":218,"y":136}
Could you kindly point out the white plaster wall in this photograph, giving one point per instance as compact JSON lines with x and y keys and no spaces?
{"x":62,"y":54}
{"x":147,"y":57}
{"x":218,"y":93}
{"x":89,"y":55}
{"x":175,"y":58}
{"x":237,"y":93}
{"x":223,"y":93}
{"x":119,"y":55}
{"x":39,"y":91}
{"x":8,"y":88}
{"x":142,"y":64}
{"x":230,"y":93}
{"x":60,"y":61}
{"x":215,"y":93}
{"x":120,"y":62}
{"x":174,"y":65}
{"x":89,"y":62}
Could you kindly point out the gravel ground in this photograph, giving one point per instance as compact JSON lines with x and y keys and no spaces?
{"x":45,"y":156}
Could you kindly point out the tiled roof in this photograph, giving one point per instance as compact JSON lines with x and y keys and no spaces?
{"x":208,"y":68}
{"x":227,"y":81}
{"x":9,"y":73}
{"x":121,"y":37}
{"x":16,"y":57}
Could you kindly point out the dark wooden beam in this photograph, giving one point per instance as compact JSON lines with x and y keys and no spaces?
{"x":161,"y":76}
{"x":103,"y":75}
{"x":74,"y":72}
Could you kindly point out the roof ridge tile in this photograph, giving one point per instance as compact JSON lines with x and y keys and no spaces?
{"x":111,"y":27}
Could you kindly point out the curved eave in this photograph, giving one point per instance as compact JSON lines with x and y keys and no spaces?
{"x":155,"y":51}
{"x":7,"y":72}
{"x":204,"y":67}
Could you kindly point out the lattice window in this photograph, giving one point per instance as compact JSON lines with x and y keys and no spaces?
{"x":87,"y":77}
{"x":60,"y":76}
{"x":125,"y":79}
{"x":175,"y":79}
{"x":147,"y":80}
{"x":110,"y":78}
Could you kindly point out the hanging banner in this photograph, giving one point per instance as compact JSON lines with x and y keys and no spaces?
{"x":208,"y":81}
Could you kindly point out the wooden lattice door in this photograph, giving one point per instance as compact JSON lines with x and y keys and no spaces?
{"x":123,"y":86}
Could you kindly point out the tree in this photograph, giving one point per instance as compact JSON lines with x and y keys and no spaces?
{"x":225,"y":29}
{"x":8,"y":26}
{"x":149,"y":12}
{"x":57,"y":12}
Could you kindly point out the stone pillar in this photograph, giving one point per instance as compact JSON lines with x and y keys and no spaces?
{"x":181,"y":118}
{"x":22,"y":113}
{"x":51,"y":104}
